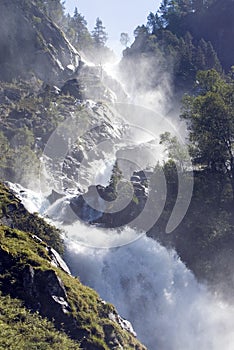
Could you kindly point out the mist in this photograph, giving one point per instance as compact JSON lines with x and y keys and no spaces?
{"x":149,"y":284}
{"x":152,"y":288}
{"x":117,"y":112}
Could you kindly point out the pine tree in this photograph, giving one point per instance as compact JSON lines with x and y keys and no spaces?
{"x":212,"y":58}
{"x":210,"y":121}
{"x":189,"y":47}
{"x":201,"y":55}
{"x":78,"y":32}
{"x":99,"y":35}
{"x":152,"y":23}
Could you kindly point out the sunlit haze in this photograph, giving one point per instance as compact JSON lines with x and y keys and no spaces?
{"x":117,"y":16}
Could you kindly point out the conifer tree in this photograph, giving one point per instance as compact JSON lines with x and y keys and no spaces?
{"x":78,"y":32}
{"x":99,"y":34}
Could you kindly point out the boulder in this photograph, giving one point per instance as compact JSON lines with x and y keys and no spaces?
{"x":54,"y":196}
{"x":73,"y":88}
{"x":89,"y":208}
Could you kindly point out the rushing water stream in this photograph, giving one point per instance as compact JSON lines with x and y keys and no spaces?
{"x":147,"y":283}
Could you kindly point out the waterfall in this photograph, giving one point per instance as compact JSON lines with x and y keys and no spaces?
{"x":149,"y":285}
{"x":153,"y":289}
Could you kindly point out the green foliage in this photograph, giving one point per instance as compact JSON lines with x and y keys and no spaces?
{"x":23,"y":330}
{"x":4,"y":152}
{"x":204,"y":239}
{"x":52,"y":8}
{"x":26,"y":125}
{"x":99,"y":35}
{"x":12,"y":210}
{"x":165,"y":51}
{"x":78,"y":33}
{"x":92,"y":45}
{"x":204,"y":19}
{"x":210,"y":120}
{"x":176,"y":151}
{"x":23,"y":137}
{"x":174,"y":42}
{"x":37,"y":19}
{"x":116,"y":176}
{"x":25,"y":165}
{"x":154,"y":23}
{"x":172,"y":11}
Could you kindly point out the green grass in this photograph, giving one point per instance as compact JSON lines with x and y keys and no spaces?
{"x":15,"y":213}
{"x":22,"y":330}
{"x":90,"y":313}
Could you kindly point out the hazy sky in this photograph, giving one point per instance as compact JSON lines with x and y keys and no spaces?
{"x":117,"y":15}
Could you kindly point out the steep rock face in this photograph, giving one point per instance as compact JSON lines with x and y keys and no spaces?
{"x":97,"y":85}
{"x":31,"y":43}
{"x":94,"y":134}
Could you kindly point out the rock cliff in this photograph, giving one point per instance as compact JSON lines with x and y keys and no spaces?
{"x":31,"y":44}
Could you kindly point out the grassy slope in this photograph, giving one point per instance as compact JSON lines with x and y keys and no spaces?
{"x":13,"y":212}
{"x":22,"y":330}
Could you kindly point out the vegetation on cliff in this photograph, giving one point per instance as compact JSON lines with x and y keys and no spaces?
{"x":204,"y":239}
{"x":187,"y":43}
{"x":14,"y":214}
{"x":181,"y":38}
{"x":23,"y":330}
{"x":28,"y":273}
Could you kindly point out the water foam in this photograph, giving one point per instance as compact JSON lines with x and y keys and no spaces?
{"x":153,"y":289}
{"x":148,"y":284}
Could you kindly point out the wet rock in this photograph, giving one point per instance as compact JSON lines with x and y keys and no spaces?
{"x":45,"y":291}
{"x":72,"y":87}
{"x":12,"y":94}
{"x":90,"y":209}
{"x":57,"y":261}
{"x":39,"y":48}
{"x":54,"y":196}
{"x":124,"y":324}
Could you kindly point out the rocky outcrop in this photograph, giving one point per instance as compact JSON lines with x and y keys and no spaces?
{"x":44,"y":291}
{"x":95,"y":133}
{"x":89,"y":208}
{"x":31,"y":43}
{"x":72,"y":87}
{"x":41,"y":290}
{"x":15,"y":215}
{"x":54,"y":196}
{"x":96,"y":84}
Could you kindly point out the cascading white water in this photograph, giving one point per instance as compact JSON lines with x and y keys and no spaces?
{"x":147,"y":283}
{"x":153,"y":289}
